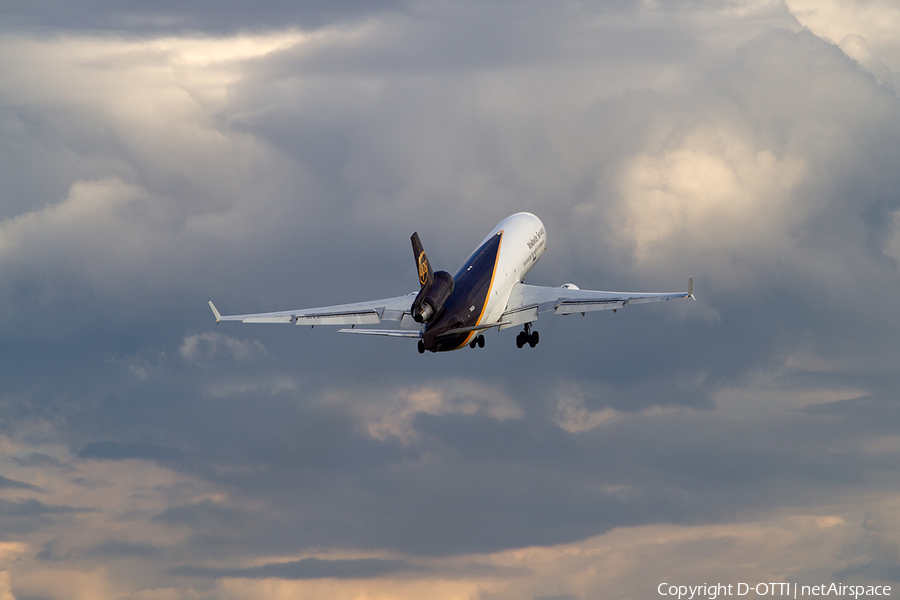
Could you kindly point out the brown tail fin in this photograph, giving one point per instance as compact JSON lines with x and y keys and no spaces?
{"x":426,"y":274}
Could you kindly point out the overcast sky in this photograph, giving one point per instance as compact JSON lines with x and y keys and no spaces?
{"x":156,"y":155}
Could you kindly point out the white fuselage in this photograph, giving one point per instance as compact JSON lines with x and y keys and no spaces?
{"x":524,"y":242}
{"x":484,"y":283}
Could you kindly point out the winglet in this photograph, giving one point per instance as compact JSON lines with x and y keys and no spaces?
{"x":690,"y":293}
{"x":215,"y":312}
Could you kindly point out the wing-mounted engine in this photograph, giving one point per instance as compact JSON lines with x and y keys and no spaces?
{"x":436,"y":287}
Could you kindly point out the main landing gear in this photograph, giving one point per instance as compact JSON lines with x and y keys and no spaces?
{"x":477,"y":341}
{"x":527,"y":337}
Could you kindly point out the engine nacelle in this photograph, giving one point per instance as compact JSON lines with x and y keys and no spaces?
{"x":431,"y":299}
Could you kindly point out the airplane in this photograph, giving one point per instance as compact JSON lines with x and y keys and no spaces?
{"x":450,"y":312}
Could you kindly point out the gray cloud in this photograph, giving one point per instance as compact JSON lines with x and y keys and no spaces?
{"x":207,"y":517}
{"x":155,"y":17}
{"x":307,"y":568}
{"x":12,"y":484}
{"x":30,"y":507}
{"x":111,"y":450}
{"x":38,"y":459}
{"x":119,"y":550}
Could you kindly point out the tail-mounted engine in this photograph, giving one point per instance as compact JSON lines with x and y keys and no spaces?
{"x":431,"y":299}
{"x":436,"y":287}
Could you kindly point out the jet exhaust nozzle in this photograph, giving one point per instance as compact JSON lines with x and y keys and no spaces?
{"x":430,"y":300}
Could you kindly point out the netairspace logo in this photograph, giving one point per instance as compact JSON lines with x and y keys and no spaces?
{"x":786,"y":589}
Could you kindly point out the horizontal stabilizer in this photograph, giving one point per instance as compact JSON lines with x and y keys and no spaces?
{"x":399,"y":333}
{"x":356,"y":317}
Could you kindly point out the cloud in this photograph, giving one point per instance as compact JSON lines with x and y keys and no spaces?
{"x":859,"y":27}
{"x":892,"y":245}
{"x":38,"y":459}
{"x":800,"y":382}
{"x":152,"y":18}
{"x":392,"y":414}
{"x":713,"y":191}
{"x":82,"y":228}
{"x":439,"y":589}
{"x":857,"y":48}
{"x":7,"y":483}
{"x":10,"y":550}
{"x":752,"y":433}
{"x":574,"y":417}
{"x":198,"y":347}
{"x":31,"y":508}
{"x":209,"y":516}
{"x":137,"y":223}
{"x":582,"y":406}
{"x":306,"y":568}
{"x":5,"y":589}
{"x":119,"y":550}
{"x":120,"y":451}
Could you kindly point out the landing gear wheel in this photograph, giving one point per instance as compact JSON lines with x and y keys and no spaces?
{"x":527,"y":337}
{"x":473,"y":343}
{"x":421,"y":347}
{"x":520,"y":339}
{"x":480,"y":340}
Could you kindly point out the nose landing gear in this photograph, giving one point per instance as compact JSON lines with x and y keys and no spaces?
{"x":477,"y":341}
{"x":527,"y":337}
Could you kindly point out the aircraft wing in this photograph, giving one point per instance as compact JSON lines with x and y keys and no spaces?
{"x":526,"y":301}
{"x":358,"y":313}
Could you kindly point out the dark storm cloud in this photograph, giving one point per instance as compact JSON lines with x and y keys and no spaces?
{"x":475,"y":484}
{"x":28,"y":508}
{"x":307,"y":568}
{"x":885,"y":567}
{"x":688,"y":469}
{"x":119,"y":451}
{"x":217,"y":18}
{"x":12,"y":484}
{"x":120,"y":550}
{"x":207,"y":517}
{"x":37,"y":459}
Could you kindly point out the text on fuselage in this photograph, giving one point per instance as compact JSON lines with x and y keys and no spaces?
{"x":535,"y":238}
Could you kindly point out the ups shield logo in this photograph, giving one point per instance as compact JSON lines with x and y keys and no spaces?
{"x":423,"y":269}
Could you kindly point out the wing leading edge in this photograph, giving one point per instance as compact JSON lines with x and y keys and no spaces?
{"x":357,"y":313}
{"x":526,"y":301}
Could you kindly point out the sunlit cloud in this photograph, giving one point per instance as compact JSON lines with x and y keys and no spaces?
{"x":50,"y":556}
{"x":205,"y":346}
{"x":391,"y":413}
{"x":866,"y":30}
{"x":5,"y":589}
{"x":713,"y":191}
{"x":243,"y":387}
{"x":574,"y":417}
{"x":275,"y":589}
